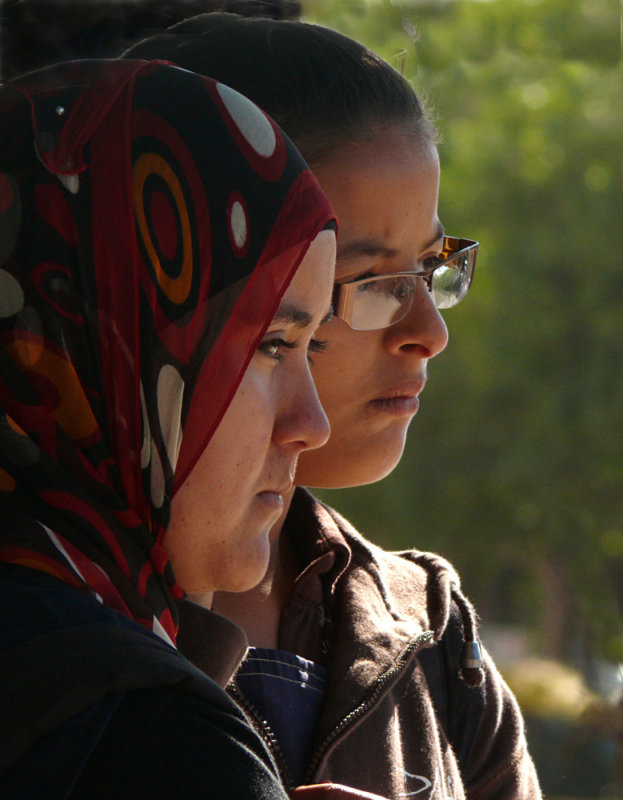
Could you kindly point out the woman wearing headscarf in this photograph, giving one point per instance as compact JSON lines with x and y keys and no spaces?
{"x":165,"y":258}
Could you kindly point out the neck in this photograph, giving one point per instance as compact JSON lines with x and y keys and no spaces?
{"x":258,"y":611}
{"x":204,"y":599}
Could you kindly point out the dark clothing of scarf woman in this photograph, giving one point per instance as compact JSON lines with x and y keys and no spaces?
{"x":150,"y":222}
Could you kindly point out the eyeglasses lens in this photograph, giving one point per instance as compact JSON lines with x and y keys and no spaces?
{"x":381,"y":303}
{"x":451,"y":281}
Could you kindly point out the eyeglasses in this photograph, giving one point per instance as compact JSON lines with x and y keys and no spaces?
{"x":368,"y":304}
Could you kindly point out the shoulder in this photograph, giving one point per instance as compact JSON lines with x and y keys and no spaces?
{"x":61,"y":652}
{"x":41,"y":603}
{"x":158,"y":742}
{"x":174,"y":744}
{"x":88,"y":682}
{"x":482,"y":722}
{"x":68,"y":640}
{"x":411,"y":577}
{"x":70,"y":644}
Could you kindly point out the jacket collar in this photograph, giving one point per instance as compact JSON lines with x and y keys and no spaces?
{"x":211,"y":642}
{"x":375,"y":601}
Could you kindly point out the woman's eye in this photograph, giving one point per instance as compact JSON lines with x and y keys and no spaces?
{"x":316,"y":346}
{"x":355,"y":278}
{"x":429,"y":264}
{"x":274,"y":347}
{"x":404,"y":289}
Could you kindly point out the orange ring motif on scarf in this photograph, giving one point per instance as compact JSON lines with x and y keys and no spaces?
{"x":7,"y":482}
{"x":73,"y":412}
{"x":175,"y":289}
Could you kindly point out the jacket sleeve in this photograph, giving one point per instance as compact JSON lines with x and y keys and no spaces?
{"x":486,"y":729}
{"x":169,"y":745}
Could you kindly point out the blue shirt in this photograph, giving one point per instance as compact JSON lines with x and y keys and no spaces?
{"x":287,"y":691}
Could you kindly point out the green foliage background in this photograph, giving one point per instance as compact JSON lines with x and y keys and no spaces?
{"x":514,"y":467}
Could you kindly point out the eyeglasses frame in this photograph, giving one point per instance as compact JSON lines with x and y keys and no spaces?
{"x":452,"y":247}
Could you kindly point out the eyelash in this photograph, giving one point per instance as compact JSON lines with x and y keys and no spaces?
{"x":318,"y":345}
{"x":430,"y":262}
{"x":365,"y":275}
{"x":272,"y":348}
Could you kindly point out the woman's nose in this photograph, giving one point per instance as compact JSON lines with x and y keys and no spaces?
{"x":422,"y":330}
{"x":302,"y":420}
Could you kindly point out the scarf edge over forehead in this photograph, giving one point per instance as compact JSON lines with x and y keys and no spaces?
{"x":139,"y":277}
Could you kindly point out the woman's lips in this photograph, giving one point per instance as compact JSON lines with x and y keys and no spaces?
{"x":272,"y":499}
{"x":403,"y":401}
{"x":275,"y":497}
{"x":404,"y":406}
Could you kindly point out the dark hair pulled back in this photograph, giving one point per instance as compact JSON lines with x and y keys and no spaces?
{"x":35,"y":33}
{"x":324,"y":89}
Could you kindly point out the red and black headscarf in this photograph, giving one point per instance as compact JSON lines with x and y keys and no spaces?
{"x":150,"y":221}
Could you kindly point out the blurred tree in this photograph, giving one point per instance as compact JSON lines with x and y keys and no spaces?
{"x":514,"y":469}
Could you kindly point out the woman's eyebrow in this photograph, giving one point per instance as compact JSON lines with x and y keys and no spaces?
{"x":288,"y":314}
{"x":440,"y":233}
{"x":364,"y":247}
{"x":374,"y":247}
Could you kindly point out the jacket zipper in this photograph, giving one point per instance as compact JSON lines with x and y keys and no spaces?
{"x":369,"y":700}
{"x":266,"y":732}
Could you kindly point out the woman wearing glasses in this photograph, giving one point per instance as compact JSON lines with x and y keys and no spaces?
{"x":365,"y":668}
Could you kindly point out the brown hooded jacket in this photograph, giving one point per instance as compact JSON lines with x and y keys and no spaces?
{"x":404,"y":714}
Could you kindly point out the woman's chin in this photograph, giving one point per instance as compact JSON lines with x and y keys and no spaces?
{"x":339,"y":468}
{"x":238,"y":568}
{"x":251,"y":570}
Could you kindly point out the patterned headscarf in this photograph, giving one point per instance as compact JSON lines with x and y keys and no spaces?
{"x":150,"y":221}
